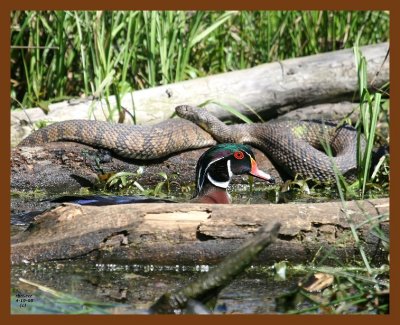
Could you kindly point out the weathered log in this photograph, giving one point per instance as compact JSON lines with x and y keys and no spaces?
{"x":292,"y":83}
{"x":327,"y":111}
{"x":201,"y":233}
{"x":268,"y":89}
{"x":66,"y":166}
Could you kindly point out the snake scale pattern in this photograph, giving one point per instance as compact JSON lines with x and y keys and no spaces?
{"x":293,"y":145}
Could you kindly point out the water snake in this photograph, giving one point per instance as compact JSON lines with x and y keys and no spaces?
{"x":293,"y":145}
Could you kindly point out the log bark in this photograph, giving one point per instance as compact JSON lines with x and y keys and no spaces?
{"x":203,"y":234}
{"x":268,"y":89}
{"x":327,"y":111}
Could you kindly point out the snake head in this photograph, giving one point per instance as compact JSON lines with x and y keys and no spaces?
{"x":185,"y":111}
{"x":194,"y":114}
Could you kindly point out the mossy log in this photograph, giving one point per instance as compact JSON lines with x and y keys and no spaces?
{"x":191,"y":233}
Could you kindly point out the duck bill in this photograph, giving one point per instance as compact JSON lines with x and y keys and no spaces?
{"x":259,"y":173}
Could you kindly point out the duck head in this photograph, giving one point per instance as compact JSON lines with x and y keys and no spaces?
{"x":216,"y":167}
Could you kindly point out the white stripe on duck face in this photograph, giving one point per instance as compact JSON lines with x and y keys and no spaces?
{"x":217,"y":183}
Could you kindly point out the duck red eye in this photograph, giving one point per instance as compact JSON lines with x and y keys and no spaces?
{"x":238,"y":154}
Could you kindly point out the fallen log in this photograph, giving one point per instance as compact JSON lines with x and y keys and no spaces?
{"x":266,"y":88}
{"x":269,"y":89}
{"x":190,"y":234}
{"x":326,"y":111}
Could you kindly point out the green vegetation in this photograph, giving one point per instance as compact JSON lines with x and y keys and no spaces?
{"x":129,"y":183}
{"x":340,"y":290}
{"x":370,"y":110}
{"x":61,"y":54}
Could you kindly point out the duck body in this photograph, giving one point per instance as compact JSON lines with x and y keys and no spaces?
{"x":214,"y":171}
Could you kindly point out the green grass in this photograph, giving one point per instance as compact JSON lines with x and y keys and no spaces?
{"x":370,"y":110}
{"x":61,"y":54}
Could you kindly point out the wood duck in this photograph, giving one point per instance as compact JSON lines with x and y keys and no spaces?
{"x":214,"y":171}
{"x":216,"y":167}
